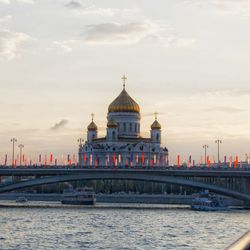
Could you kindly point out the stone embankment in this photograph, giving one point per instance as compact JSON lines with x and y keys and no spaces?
{"x":120,"y":198}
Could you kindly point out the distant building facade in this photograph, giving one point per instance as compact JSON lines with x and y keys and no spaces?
{"x":123,"y":145}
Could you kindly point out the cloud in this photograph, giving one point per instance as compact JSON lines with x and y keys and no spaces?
{"x":59,"y":125}
{"x":229,"y":7}
{"x":131,"y":33}
{"x":226,"y":109}
{"x":10,"y":43}
{"x":65,"y":46}
{"x":17,"y":1}
{"x":97,"y":11}
{"x":229,"y":93}
{"x":74,"y":5}
{"x":5,"y":19}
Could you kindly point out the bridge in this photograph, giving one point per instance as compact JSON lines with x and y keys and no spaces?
{"x":231,"y":183}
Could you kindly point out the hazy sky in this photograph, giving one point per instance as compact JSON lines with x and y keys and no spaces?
{"x":61,"y":60}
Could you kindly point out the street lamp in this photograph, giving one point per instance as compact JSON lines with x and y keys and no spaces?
{"x":205,"y":147}
{"x":218,"y":142}
{"x":80,"y":140}
{"x":21,"y":146}
{"x":13,"y":140}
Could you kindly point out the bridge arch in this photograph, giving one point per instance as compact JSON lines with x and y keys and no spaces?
{"x":127,"y":176}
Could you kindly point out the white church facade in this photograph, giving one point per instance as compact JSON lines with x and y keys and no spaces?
{"x":123,"y":145}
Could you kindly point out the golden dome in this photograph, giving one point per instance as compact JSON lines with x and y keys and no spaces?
{"x":156,"y":125}
{"x":112,"y":123}
{"x":92,"y":126}
{"x":124,"y":103}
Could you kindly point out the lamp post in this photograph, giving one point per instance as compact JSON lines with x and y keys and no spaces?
{"x":13,"y":140}
{"x":205,"y":147}
{"x":21,"y":146}
{"x":218,"y":143}
{"x":80,"y":140}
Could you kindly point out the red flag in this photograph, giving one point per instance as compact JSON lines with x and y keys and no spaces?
{"x":6,"y":159}
{"x":231,"y":161}
{"x":178,"y":160}
{"x":236,"y":161}
{"x":208,"y":162}
{"x":114,"y":159}
{"x":51,"y":158}
{"x":85,"y":159}
{"x":143,"y":158}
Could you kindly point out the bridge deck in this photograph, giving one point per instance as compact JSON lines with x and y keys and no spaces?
{"x":166,"y":172}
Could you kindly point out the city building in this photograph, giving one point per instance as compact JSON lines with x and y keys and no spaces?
{"x":123,"y":145}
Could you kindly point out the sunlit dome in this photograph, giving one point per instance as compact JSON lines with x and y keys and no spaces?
{"x":92,"y":126}
{"x":124,"y":103}
{"x":156,"y":124}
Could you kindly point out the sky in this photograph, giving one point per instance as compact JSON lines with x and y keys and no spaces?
{"x":61,"y":60}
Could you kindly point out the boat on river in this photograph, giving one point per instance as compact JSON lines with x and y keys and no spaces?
{"x":83,"y":196}
{"x":21,"y":200}
{"x":208,"y":202}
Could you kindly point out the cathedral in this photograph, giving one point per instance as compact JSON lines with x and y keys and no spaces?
{"x":123,"y":146}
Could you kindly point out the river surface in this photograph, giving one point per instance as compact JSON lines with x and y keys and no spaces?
{"x":119,"y":227}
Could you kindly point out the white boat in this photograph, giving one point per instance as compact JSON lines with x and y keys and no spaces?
{"x":208,"y":202}
{"x":21,"y":200}
{"x":85,"y":196}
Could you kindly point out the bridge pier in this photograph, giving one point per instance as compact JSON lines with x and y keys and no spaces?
{"x":16,"y":179}
{"x":246,"y":185}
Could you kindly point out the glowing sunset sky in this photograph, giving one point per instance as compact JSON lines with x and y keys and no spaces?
{"x":61,"y":60}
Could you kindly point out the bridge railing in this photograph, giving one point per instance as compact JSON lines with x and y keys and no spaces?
{"x":245,"y":167}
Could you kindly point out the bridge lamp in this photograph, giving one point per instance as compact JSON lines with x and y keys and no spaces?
{"x":13,"y":140}
{"x":80,"y":140}
{"x":218,"y":143}
{"x":205,"y":147}
{"x":21,"y":146}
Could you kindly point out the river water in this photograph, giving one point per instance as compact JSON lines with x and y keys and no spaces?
{"x":126,"y":227}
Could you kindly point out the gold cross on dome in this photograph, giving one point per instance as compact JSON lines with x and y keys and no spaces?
{"x":92,"y":115}
{"x":156,"y":114}
{"x":124,"y":78}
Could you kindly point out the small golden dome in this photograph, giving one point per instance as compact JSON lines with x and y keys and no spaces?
{"x":112,"y":123}
{"x":124,"y":103}
{"x":92,"y":126}
{"x":156,"y":125}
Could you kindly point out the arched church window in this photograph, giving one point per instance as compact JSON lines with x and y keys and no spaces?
{"x":124,"y":127}
{"x":130,"y":127}
{"x":113,"y":135}
{"x":157,"y":137}
{"x":141,"y":148}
